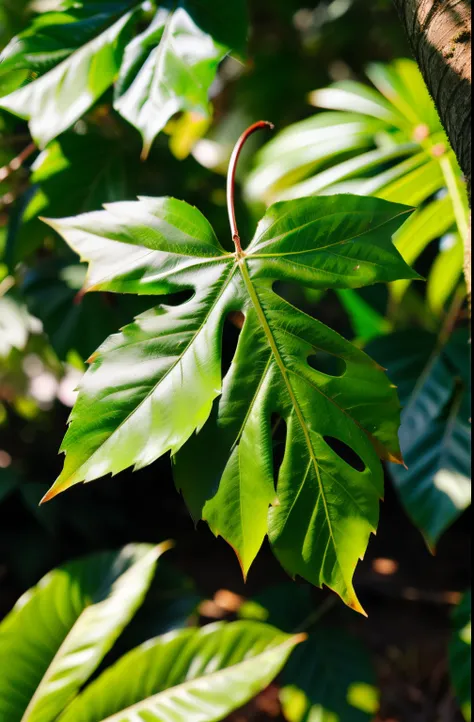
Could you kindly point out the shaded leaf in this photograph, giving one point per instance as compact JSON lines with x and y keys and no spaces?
{"x":329,"y":678}
{"x":435,"y":431}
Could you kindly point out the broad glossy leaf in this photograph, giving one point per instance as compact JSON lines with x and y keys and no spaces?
{"x":62,"y":94}
{"x":172,"y":64}
{"x":76,"y":55}
{"x":435,"y":429}
{"x":194,"y":675}
{"x":329,"y":678}
{"x":58,"y":632}
{"x":460,"y":654}
{"x":301,"y":148}
{"x":347,"y":169}
{"x":346,"y":95}
{"x":152,"y":386}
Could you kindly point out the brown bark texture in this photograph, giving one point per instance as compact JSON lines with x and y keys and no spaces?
{"x":439,"y":32}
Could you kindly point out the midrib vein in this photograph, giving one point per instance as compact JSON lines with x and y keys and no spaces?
{"x":279,"y":361}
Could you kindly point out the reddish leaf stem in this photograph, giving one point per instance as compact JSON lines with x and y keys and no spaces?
{"x":17,"y":162}
{"x":231,"y":179}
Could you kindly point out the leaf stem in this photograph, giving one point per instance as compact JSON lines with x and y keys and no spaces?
{"x":231,"y":179}
{"x":17,"y":162}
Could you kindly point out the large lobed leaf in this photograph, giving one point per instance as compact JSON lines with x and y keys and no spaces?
{"x":74,"y":56}
{"x":152,"y":386}
{"x":59,"y":632}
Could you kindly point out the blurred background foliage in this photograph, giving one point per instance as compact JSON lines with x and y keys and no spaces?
{"x":351,"y":114}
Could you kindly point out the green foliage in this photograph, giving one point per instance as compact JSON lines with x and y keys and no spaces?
{"x":74,"y":56}
{"x":434,"y":385}
{"x":385,"y":141}
{"x":460,"y":654}
{"x":330,"y":677}
{"x":153,"y":385}
{"x":59,"y":632}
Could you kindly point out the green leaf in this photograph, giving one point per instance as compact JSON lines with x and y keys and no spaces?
{"x":397,"y":150}
{"x":172,"y":64}
{"x":445,"y":273}
{"x":152,"y":386}
{"x":424,"y":226}
{"x":194,"y":675}
{"x":73,"y":174}
{"x":284,"y":606}
{"x":301,"y":148}
{"x":60,"y":96}
{"x":58,"y":632}
{"x":329,"y":678}
{"x":73,"y":57}
{"x":435,"y":431}
{"x":366,"y":321}
{"x":346,"y":95}
{"x":460,"y":654}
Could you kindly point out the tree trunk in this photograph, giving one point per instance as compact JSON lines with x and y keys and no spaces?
{"x":439,"y":32}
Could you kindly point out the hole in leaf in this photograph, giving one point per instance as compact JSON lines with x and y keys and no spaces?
{"x":345,"y":453}
{"x":230,"y":338}
{"x":295,"y":294}
{"x":279,"y":433}
{"x":178,"y":298}
{"x":327,"y":364}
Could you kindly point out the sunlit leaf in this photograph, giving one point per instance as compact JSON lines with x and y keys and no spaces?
{"x":58,"y":632}
{"x":193,"y":675}
{"x":153,"y":385}
{"x":61,"y":95}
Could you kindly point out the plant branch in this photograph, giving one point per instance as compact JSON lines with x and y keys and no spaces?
{"x":231,"y":178}
{"x":17,"y":162}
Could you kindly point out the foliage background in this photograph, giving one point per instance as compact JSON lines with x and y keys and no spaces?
{"x":293,"y":50}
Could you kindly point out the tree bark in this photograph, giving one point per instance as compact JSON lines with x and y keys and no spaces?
{"x":439,"y":32}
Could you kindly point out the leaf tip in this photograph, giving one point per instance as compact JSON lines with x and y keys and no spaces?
{"x":299,"y":638}
{"x":145,"y":150}
{"x":50,"y":494}
{"x":357,"y":607}
{"x":164,"y":547}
